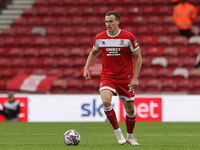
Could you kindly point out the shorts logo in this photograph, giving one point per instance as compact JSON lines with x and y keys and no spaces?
{"x":103,"y":43}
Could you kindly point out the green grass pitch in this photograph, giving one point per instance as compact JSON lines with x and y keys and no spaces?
{"x":99,"y":136}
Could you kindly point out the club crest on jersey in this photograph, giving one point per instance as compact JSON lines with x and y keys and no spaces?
{"x":122,"y":43}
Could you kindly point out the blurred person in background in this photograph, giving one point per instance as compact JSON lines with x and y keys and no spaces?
{"x":11,"y":108}
{"x":175,"y":2}
{"x":184,"y":14}
{"x":117,"y":47}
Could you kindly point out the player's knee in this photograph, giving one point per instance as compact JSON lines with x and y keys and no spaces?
{"x":130,"y":110}
{"x":106,"y":102}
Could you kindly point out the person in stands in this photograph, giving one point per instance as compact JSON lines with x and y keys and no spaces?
{"x":184,"y":14}
{"x":11,"y":108}
{"x":175,"y":2}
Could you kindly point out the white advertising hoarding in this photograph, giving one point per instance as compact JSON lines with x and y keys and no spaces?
{"x":89,"y":108}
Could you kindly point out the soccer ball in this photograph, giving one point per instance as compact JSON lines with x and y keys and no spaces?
{"x":71,"y":137}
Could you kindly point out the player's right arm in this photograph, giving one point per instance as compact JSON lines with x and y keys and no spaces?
{"x":92,"y":56}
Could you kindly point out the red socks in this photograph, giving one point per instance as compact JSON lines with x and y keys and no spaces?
{"x":130,"y":123}
{"x":110,"y":113}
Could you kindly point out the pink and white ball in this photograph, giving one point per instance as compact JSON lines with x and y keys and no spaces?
{"x":71,"y":137}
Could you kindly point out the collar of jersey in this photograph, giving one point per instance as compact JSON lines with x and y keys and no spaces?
{"x":114,"y":35}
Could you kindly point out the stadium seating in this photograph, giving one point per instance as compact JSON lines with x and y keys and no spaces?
{"x":55,"y":37}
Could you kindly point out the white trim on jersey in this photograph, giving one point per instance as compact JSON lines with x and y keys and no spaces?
{"x":114,"y":35}
{"x":114,"y":43}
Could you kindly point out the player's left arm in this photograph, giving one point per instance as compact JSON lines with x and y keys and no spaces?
{"x":138,"y":64}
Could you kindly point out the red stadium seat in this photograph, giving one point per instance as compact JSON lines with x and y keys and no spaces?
{"x":77,"y":52}
{"x":158,"y":30}
{"x":20,"y":22}
{"x":5,"y":63}
{"x":194,"y":41}
{"x":3,"y":52}
{"x":194,"y":74}
{"x":30,"y":12}
{"x":68,"y":30}
{"x":149,"y":40}
{"x":65,"y":62}
{"x":69,"y":73}
{"x":49,"y":21}
{"x":153,"y":86}
{"x":59,"y":85}
{"x":188,"y":63}
{"x":100,"y":2}
{"x":139,"y":20}
{"x":154,"y":51}
{"x":185,"y":51}
{"x":56,"y":41}
{"x":2,"y":85}
{"x":60,"y":52}
{"x":164,"y":10}
{"x":173,"y":62}
{"x":143,"y":30}
{"x":121,"y":9}
{"x":39,"y":71}
{"x":77,"y":20}
{"x":180,"y":41}
{"x":8,"y":32}
{"x":146,"y":62}
{"x":19,"y":63}
{"x":129,"y":2}
{"x":168,"y":20}
{"x":170,"y":52}
{"x":160,"y":2}
{"x":8,"y":73}
{"x":34,"y":63}
{"x":49,"y":62}
{"x":31,"y":52}
{"x":53,"y":30}
{"x":159,"y":63}
{"x":90,"y":85}
{"x":185,"y":86}
{"x":180,"y":74}
{"x":134,"y":10}
{"x":41,"y":41}
{"x":24,"y":41}
{"x":40,"y":2}
{"x":164,"y":41}
{"x":164,"y":74}
{"x":172,"y":30}
{"x":55,"y":72}
{"x":74,"y":85}
{"x":154,"y":20}
{"x":83,"y":2}
{"x":144,"y":2}
{"x":148,"y":74}
{"x":149,"y":9}
{"x":46,"y":52}
{"x":79,"y":62}
{"x":196,"y":87}
{"x":59,"y":11}
{"x":15,"y":52}
{"x":64,"y":20}
{"x":168,"y":86}
{"x":83,"y":31}
{"x":43,"y":11}
{"x":23,"y":71}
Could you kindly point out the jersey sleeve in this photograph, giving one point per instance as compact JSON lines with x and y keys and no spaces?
{"x":133,"y":43}
{"x":95,"y":44}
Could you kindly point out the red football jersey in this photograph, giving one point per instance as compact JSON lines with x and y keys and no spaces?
{"x":116,"y":53}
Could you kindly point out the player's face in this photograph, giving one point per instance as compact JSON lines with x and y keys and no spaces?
{"x":111,"y":23}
